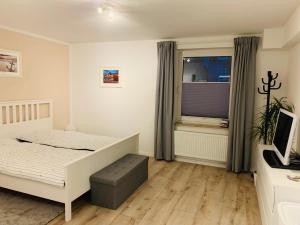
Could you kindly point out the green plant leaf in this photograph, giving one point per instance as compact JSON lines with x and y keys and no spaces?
{"x":275,"y":105}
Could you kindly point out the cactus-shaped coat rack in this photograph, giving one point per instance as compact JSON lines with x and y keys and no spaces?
{"x":267,"y":88}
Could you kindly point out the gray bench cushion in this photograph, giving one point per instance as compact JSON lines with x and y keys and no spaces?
{"x":117,"y":172}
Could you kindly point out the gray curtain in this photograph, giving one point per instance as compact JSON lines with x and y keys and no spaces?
{"x":242,"y":104}
{"x":165,"y":97}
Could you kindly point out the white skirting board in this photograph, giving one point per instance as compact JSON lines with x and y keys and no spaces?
{"x":200,"y":161}
{"x":146,"y":153}
{"x":190,"y":160}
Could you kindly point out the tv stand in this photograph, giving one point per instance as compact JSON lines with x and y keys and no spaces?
{"x":273,"y":185}
{"x":272,"y":159}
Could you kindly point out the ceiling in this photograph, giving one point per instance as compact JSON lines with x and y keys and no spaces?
{"x":77,"y":21}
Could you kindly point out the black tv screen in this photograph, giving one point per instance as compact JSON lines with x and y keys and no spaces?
{"x":282,"y":132}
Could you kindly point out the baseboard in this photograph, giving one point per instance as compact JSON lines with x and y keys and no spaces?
{"x":261,"y":205}
{"x":150,"y":154}
{"x":200,"y":161}
{"x":191,"y":160}
{"x":255,"y":178}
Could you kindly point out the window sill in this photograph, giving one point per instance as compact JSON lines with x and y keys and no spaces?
{"x":201,"y":128}
{"x":193,"y":120}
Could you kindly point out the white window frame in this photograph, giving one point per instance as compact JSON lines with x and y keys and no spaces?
{"x":198,"y":53}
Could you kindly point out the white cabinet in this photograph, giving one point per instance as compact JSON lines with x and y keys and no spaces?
{"x":273,"y":187}
{"x":288,"y":213}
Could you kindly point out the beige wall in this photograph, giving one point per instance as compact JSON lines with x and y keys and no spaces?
{"x":45,"y":73}
{"x":115,"y":111}
{"x":293,"y":87}
{"x":121,"y":111}
{"x":276,"y":61}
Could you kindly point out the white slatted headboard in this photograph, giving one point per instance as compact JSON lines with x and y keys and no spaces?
{"x":19,"y":117}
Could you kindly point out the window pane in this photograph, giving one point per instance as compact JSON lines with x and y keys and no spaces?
{"x":207,"y":69}
{"x":205,"y":86}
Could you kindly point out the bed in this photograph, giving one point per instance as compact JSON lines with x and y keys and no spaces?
{"x":70,"y":178}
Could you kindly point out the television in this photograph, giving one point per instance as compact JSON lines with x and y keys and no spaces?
{"x":283,"y":137}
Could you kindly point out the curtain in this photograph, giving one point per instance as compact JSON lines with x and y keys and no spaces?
{"x":242,"y":104}
{"x":165,"y":97}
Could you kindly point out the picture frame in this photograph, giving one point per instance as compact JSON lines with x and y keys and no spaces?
{"x":110,"y":77}
{"x":10,"y":63}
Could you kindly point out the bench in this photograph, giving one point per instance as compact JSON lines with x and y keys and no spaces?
{"x":111,"y":186}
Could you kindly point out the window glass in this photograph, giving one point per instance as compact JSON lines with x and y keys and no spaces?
{"x":206,"y":86}
{"x":207,"y":69}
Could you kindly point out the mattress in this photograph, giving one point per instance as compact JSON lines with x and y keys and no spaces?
{"x":68,"y":139}
{"x":36,"y":162}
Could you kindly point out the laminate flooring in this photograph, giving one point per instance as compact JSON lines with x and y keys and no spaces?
{"x":179,"y":193}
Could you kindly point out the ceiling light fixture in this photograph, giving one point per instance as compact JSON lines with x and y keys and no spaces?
{"x":100,"y":10}
{"x":107,"y":9}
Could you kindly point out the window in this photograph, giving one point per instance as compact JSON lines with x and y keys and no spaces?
{"x":206,"y":86}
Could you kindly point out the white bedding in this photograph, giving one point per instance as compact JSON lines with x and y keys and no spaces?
{"x":69,"y":139}
{"x":39,"y":161}
{"x":36,"y":162}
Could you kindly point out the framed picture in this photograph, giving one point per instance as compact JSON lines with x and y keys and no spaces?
{"x":10,"y":63}
{"x":110,"y":77}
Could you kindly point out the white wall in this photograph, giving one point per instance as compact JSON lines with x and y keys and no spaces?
{"x":294,"y":77}
{"x":294,"y":84}
{"x":285,"y":36}
{"x":276,"y":61}
{"x":288,"y":37}
{"x":292,"y":28}
{"x":121,"y":111}
{"x":115,"y":111}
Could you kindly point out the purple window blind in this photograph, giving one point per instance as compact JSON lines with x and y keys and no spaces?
{"x":205,"y":99}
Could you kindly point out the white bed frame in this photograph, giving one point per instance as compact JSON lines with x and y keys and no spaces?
{"x":19,"y":117}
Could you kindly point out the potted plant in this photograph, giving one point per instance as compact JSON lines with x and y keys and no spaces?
{"x":274,"y":107}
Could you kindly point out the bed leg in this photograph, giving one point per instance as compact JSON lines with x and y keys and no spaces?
{"x":68,"y":211}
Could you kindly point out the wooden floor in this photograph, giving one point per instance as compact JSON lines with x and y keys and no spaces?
{"x":180,"y":194}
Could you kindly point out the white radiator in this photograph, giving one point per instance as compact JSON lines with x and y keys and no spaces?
{"x":204,"y":146}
